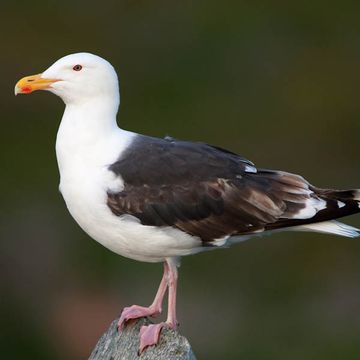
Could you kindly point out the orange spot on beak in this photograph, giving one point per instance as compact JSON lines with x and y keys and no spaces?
{"x":26,"y":90}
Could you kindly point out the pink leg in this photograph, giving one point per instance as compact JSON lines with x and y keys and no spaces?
{"x":171,"y":320}
{"x":150,"y":334}
{"x":136,"y":311}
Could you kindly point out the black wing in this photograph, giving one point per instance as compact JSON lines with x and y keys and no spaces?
{"x":211,"y":193}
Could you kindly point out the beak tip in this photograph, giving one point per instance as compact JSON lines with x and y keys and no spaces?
{"x":28,"y":84}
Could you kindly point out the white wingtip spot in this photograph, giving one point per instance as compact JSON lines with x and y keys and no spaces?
{"x":340,"y":204}
{"x":312,"y":206}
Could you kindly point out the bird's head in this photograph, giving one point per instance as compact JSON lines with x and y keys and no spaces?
{"x":76,"y":78}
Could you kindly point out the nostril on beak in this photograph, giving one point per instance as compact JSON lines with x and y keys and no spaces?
{"x":30,"y":80}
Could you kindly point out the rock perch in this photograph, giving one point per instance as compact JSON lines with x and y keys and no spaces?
{"x":124,"y":345}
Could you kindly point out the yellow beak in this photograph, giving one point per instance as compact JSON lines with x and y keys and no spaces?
{"x":28,"y":84}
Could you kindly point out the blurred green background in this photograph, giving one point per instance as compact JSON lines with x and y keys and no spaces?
{"x":275,"y":81}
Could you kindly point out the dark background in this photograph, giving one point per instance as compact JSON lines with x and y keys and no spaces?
{"x":276,"y":82}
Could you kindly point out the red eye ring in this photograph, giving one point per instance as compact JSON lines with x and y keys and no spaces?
{"x":77,"y":67}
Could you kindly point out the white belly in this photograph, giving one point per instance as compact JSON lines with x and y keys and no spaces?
{"x":86,"y":198}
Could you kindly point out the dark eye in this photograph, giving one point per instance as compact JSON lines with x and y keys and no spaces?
{"x":77,"y":67}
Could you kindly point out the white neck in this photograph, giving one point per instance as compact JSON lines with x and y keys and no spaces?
{"x":89,"y":136}
{"x":90,"y":119}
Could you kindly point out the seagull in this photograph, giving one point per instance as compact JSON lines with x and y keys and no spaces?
{"x":158,"y":199}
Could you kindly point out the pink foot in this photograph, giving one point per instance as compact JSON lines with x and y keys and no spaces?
{"x":149,"y":335}
{"x":135,"y":312}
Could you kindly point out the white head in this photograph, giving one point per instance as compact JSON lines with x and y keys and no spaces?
{"x":77,"y":79}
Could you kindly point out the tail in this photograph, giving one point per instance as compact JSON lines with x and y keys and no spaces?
{"x":319,"y":210}
{"x":338,"y":203}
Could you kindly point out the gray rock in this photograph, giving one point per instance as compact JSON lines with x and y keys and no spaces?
{"x":125,"y":345}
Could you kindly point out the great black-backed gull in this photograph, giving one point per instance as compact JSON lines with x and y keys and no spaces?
{"x":156,"y":200}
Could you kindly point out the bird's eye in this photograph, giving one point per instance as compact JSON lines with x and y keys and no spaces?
{"x":77,"y":67}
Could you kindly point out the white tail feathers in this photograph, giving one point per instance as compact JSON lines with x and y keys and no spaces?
{"x":330,"y":227}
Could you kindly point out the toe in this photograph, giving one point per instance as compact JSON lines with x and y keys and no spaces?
{"x":149,"y":335}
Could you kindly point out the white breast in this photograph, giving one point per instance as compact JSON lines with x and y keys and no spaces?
{"x":84,"y":181}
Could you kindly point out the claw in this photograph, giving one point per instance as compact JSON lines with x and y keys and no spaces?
{"x":135,"y":312}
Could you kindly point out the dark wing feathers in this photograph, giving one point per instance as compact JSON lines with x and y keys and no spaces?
{"x":166,"y":162}
{"x":212,"y":193}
